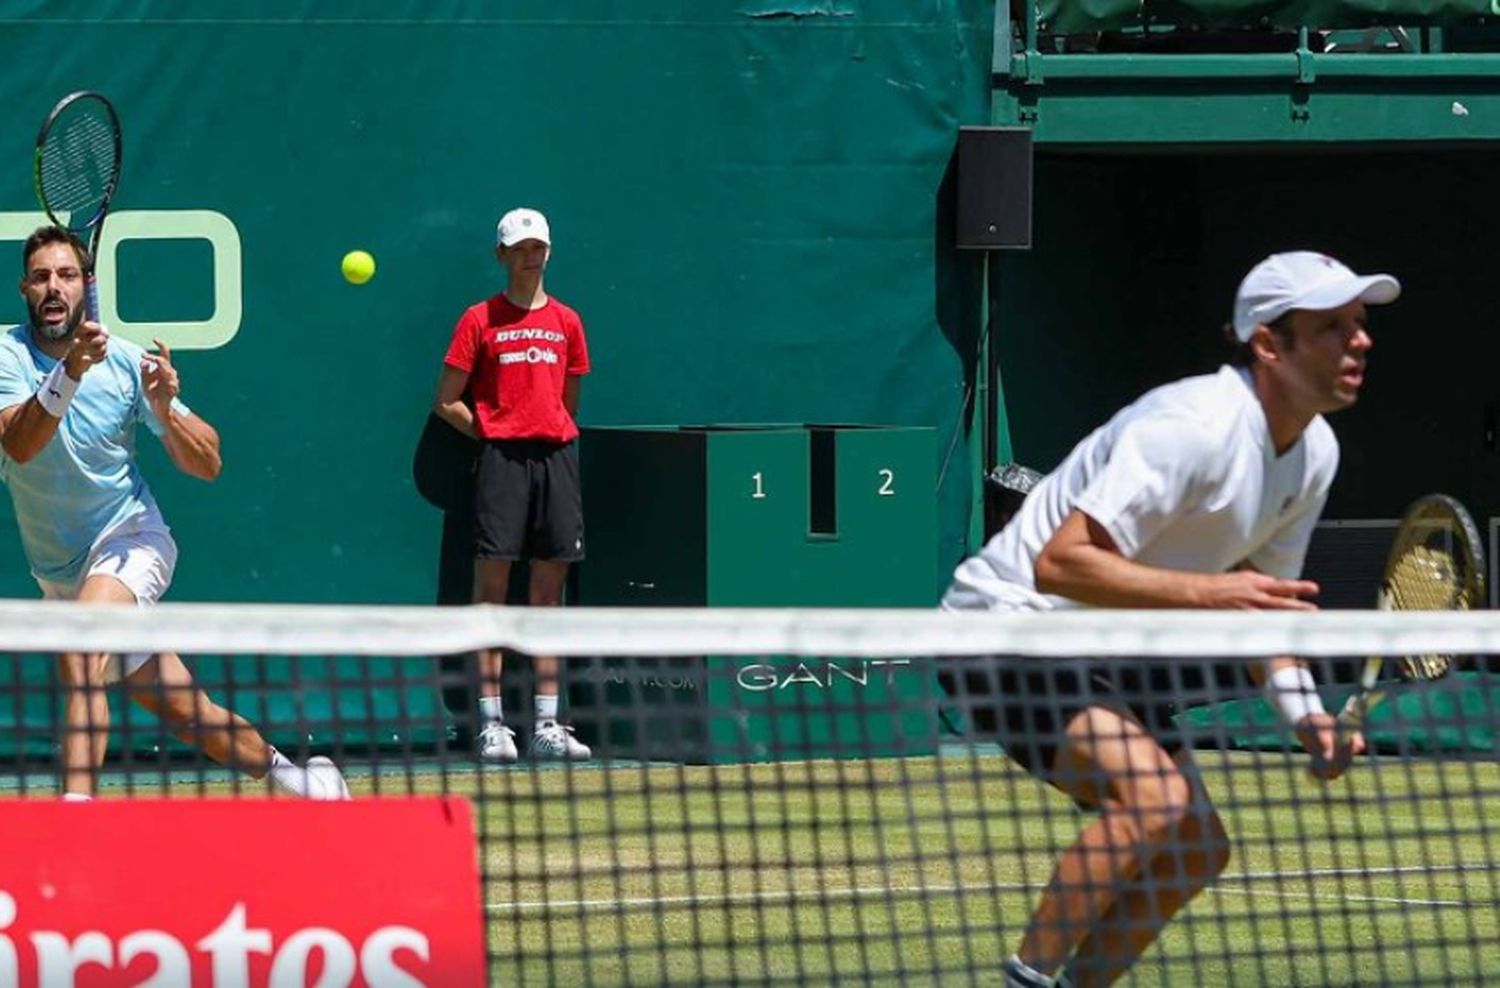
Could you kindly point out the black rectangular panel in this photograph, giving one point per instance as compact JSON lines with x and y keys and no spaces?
{"x":994,"y":188}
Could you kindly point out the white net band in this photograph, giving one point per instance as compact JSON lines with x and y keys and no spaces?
{"x":240,"y":629}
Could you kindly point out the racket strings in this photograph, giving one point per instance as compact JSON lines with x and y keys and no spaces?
{"x":1425,"y":578}
{"x":77,"y":165}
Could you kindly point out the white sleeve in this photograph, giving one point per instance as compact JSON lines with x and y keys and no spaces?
{"x":1160,"y":469}
{"x":147,"y":417}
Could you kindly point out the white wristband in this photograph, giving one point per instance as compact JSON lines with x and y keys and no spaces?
{"x":1294,"y":694}
{"x":57,"y":391}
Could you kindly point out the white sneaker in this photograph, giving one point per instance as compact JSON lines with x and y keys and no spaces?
{"x":497,"y":743}
{"x":325,"y":780}
{"x":556,"y":741}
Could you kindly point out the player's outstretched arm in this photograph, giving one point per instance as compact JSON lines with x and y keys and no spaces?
{"x":1082,"y":562}
{"x":27,"y":428}
{"x":1331,"y":747}
{"x":192,"y":443}
{"x":1292,"y":692}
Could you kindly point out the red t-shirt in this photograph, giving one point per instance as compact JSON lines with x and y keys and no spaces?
{"x":517,"y":360}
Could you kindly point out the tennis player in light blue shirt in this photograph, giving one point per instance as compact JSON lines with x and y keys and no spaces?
{"x":85,"y":483}
{"x":71,"y":401}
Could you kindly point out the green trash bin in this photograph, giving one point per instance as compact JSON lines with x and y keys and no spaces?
{"x":758,"y":516}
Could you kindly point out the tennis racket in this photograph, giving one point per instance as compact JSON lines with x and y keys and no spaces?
{"x":1435,"y":564}
{"x":78,"y":153}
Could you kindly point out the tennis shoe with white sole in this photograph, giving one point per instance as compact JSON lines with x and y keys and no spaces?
{"x":555,"y":742}
{"x":497,"y":743}
{"x":325,"y":781}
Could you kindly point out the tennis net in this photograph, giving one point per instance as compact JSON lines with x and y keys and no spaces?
{"x":820,"y":797}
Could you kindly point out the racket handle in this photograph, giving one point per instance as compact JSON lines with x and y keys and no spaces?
{"x":1356,"y":709}
{"x":91,"y":298}
{"x":1351,"y":721}
{"x":1351,"y":710}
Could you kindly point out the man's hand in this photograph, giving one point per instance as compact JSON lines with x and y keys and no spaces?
{"x":89,"y":347}
{"x":1248,"y":589}
{"x":1319,"y":734}
{"x":161,"y":380}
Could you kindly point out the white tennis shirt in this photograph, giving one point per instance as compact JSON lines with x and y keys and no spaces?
{"x":1184,"y":478}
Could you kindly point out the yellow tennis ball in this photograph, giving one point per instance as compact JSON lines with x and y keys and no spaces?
{"x":359,"y":267}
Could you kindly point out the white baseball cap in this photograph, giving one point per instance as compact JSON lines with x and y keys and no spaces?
{"x":522,"y":224}
{"x":1303,"y":279}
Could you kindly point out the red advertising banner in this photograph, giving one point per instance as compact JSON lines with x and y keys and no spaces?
{"x":233,"y":893}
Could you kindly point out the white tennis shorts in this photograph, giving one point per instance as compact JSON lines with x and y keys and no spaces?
{"x":140,"y":554}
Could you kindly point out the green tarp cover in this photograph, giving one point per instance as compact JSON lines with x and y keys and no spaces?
{"x":1082,"y":16}
{"x":318,"y":703}
{"x":1453,"y":715}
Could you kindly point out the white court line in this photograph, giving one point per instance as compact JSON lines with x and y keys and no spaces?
{"x":1246,"y":876}
{"x":791,"y":895}
{"x":733,"y":898}
{"x":1277,"y":893}
{"x":1343,"y":873}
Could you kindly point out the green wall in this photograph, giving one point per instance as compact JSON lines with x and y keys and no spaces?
{"x":745,"y":197}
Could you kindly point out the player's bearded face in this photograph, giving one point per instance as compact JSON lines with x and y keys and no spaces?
{"x":53,"y":289}
{"x":54,"y":317}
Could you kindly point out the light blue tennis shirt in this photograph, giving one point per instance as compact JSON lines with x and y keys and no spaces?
{"x":85,"y":481}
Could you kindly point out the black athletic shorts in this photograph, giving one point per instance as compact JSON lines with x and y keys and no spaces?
{"x":1034,"y":700}
{"x":527,"y":501}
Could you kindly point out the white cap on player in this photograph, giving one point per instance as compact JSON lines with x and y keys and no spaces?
{"x":1303,"y":279}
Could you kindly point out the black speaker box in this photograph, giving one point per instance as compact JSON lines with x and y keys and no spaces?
{"x":994,"y":188}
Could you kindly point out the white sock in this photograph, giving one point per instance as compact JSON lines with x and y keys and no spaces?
{"x":546,"y":708}
{"x":491,"y":710}
{"x":288,"y":776}
{"x":76,"y":797}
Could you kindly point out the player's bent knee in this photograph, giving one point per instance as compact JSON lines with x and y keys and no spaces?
{"x":1162,"y":803}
